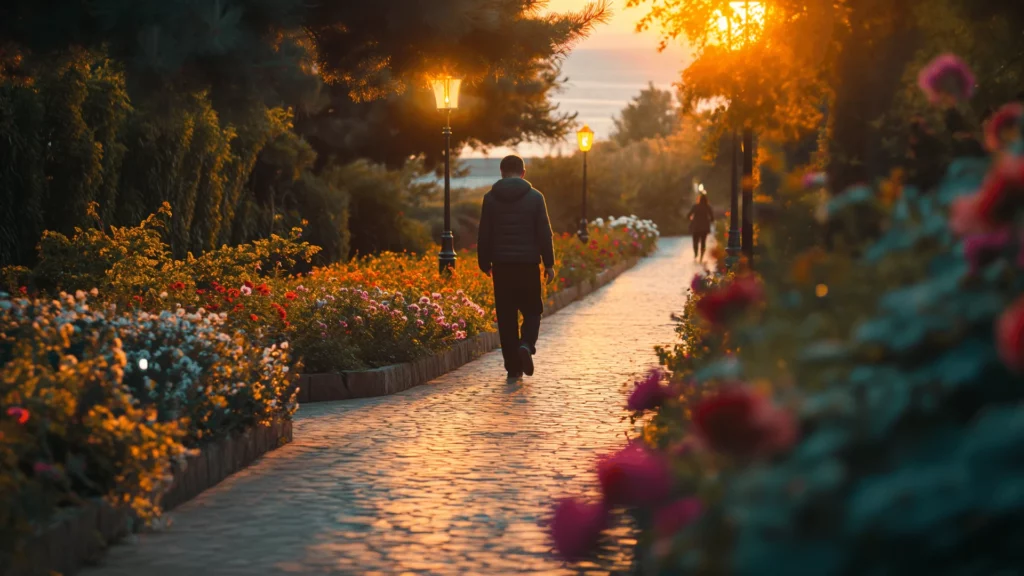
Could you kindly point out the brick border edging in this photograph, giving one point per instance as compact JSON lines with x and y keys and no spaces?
{"x":81,"y":537}
{"x":395,"y":378}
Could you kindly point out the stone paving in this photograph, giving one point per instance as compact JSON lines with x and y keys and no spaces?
{"x":455,"y":477}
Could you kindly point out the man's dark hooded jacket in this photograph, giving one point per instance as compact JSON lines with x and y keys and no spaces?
{"x":514,"y":226}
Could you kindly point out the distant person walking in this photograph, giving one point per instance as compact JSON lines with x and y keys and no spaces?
{"x":701,"y":216}
{"x":514,"y":239}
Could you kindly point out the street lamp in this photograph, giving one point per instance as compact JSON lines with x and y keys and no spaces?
{"x":446,"y":95}
{"x":585,"y":138}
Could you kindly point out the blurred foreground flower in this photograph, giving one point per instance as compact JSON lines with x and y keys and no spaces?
{"x":634,"y":476}
{"x":1010,"y":336}
{"x":739,"y":422}
{"x":720,"y":305}
{"x":648,"y":393}
{"x":1003,"y":127}
{"x":676,"y":516}
{"x":576,"y":527}
{"x":18,"y":413}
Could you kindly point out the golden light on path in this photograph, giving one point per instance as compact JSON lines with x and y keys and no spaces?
{"x":743,"y":24}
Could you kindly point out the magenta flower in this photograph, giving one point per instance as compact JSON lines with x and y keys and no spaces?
{"x":1005,"y":121}
{"x":982,"y":249}
{"x":947,"y":78}
{"x":676,"y":516}
{"x":576,"y":527}
{"x":634,"y":477}
{"x":698,"y":284}
{"x":648,"y":393}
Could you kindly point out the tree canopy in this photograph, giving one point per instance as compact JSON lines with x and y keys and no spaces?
{"x":651,"y":114}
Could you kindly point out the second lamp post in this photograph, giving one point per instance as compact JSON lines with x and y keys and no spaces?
{"x":585,"y":138}
{"x":446,"y":95}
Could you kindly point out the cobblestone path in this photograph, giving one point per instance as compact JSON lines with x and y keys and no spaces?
{"x":455,"y":477}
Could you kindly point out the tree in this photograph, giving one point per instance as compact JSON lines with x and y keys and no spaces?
{"x":652,"y":114}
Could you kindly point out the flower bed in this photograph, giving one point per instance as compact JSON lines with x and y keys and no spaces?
{"x":846,"y":412}
{"x":105,"y":393}
{"x":102,"y":403}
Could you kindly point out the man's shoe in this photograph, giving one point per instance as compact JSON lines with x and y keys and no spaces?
{"x":515,"y":375}
{"x":526,"y":360}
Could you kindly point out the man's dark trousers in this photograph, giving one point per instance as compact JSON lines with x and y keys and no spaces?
{"x":517,"y":290}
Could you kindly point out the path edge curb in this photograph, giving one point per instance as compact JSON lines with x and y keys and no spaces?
{"x":387,"y":380}
{"x":81,"y":537}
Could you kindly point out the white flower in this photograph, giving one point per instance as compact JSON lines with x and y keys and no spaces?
{"x":284,"y":345}
{"x":163,"y":294}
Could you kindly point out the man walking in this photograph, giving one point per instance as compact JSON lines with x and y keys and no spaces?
{"x":514,"y":239}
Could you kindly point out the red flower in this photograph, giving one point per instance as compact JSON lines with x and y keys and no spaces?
{"x":237,"y":307}
{"x":1002,"y":192}
{"x":291,"y":295}
{"x":634,"y":477}
{"x":676,"y":516}
{"x":234,"y":293}
{"x":18,"y":413}
{"x":983,"y":249}
{"x":23,"y":289}
{"x":280,"y":310}
{"x":137,"y":298}
{"x":1007,"y":119}
{"x":965,"y":216}
{"x":262,"y":289}
{"x":247,"y":284}
{"x":576,"y":527}
{"x":253,"y":317}
{"x":1010,"y":336}
{"x":177,"y":285}
{"x":200,"y":291}
{"x":213,"y":307}
{"x":719,"y":306}
{"x":739,"y":422}
{"x":648,"y":393}
{"x":220,"y":289}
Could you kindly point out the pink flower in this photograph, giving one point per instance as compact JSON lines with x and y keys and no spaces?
{"x":634,"y":477}
{"x":946,"y":79}
{"x":45,"y":470}
{"x":814,"y":180}
{"x":1010,"y":336}
{"x":648,"y":393}
{"x":20,"y":414}
{"x":983,"y":249}
{"x":576,"y":527}
{"x":246,"y":291}
{"x":740,"y":422}
{"x":1005,"y":120}
{"x":678,"y":515}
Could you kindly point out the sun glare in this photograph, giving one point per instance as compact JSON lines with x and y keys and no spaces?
{"x":742,"y":25}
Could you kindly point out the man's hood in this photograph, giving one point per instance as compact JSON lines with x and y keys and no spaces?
{"x":510,"y":189}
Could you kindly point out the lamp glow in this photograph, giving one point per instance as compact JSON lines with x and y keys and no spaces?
{"x":446,"y":92}
{"x":585,"y":138}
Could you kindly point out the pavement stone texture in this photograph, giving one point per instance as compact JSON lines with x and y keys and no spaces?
{"x":454,"y":477}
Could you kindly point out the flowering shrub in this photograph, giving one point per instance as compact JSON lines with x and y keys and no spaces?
{"x":867,"y":418}
{"x":100,"y":403}
{"x":365,"y":313}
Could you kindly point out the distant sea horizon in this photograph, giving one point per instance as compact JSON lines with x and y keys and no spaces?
{"x":601,"y":82}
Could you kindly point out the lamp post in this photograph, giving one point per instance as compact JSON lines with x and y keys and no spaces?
{"x":585,"y":139}
{"x":742,"y":239}
{"x":446,"y":95}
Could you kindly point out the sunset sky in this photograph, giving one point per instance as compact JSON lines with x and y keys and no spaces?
{"x":605,"y":72}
